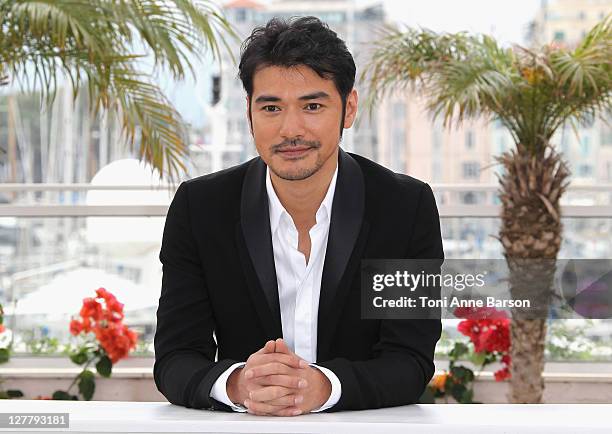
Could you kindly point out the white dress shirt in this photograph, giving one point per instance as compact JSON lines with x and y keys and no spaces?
{"x":299,"y":287}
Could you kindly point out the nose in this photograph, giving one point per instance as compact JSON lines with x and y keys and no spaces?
{"x":292,"y":124}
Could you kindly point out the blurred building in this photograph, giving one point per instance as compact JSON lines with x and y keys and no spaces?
{"x":566,"y":22}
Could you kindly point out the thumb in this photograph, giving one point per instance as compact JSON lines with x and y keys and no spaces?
{"x":281,"y":347}
{"x":269,"y":347}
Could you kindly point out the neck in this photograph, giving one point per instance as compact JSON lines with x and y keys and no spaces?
{"x":303,"y":198}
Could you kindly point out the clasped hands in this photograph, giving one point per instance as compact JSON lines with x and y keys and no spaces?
{"x":277,"y":382}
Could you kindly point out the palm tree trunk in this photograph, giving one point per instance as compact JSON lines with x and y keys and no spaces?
{"x":531,"y":186}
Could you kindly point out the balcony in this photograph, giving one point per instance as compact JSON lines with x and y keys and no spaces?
{"x":60,"y":242}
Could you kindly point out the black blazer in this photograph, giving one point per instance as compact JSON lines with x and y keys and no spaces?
{"x":219,"y":276}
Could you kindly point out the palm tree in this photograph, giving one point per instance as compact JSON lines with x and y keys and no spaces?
{"x":532,"y":92}
{"x":93,"y":45}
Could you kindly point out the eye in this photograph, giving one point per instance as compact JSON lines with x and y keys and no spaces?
{"x":265,"y":108}
{"x":315,"y":104}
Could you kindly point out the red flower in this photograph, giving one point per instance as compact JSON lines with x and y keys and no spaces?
{"x":2,"y":328}
{"x":76,"y":327}
{"x":489,"y":332}
{"x":91,"y":309}
{"x":117,"y":341}
{"x":502,"y":374}
{"x":103,"y":316}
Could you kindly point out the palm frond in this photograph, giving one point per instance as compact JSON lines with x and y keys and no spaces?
{"x":584,"y":77}
{"x":93,"y":43}
{"x":532,"y":92}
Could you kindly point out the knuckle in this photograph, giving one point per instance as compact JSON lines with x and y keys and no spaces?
{"x":255,"y":406}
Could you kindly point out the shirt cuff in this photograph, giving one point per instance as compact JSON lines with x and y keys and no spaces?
{"x":336,"y":388}
{"x":219,"y":389}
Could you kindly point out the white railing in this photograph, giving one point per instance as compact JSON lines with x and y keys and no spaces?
{"x":446,"y":211}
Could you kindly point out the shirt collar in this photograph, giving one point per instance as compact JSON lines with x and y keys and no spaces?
{"x":277,"y":209}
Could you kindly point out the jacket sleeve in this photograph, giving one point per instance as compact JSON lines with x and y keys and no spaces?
{"x":185,"y":368}
{"x":402,"y":363}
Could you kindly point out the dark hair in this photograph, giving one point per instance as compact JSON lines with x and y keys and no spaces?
{"x":300,"y":41}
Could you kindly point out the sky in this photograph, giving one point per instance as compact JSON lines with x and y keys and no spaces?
{"x":504,"y":19}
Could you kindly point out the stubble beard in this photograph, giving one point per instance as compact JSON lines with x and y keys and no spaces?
{"x":300,"y":173}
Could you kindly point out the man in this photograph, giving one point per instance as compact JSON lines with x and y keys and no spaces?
{"x":266,"y":255}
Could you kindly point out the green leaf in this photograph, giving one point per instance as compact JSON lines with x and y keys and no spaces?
{"x":87,"y":384}
{"x":462,"y":374}
{"x":80,"y":358}
{"x":61,"y":395}
{"x":13,"y":393}
{"x":458,"y":350}
{"x":478,"y":358}
{"x":104,"y":366}
{"x":5,"y":355}
{"x":457,"y":390}
{"x":467,"y":397}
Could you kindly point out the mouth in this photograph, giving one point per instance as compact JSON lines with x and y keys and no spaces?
{"x":294,"y":152}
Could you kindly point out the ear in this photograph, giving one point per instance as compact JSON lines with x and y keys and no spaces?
{"x":248,"y":114}
{"x":351,"y":108}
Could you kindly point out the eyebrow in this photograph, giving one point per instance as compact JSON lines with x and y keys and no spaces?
{"x":272,"y":98}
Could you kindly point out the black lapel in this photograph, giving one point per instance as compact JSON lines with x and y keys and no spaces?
{"x":346,"y":228}
{"x":253,"y":232}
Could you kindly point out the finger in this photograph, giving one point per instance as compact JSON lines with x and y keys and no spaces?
{"x":272,"y":368}
{"x":290,"y":360}
{"x":262,"y":407}
{"x":269,"y":393}
{"x":287,"y":400}
{"x":269,"y":347}
{"x":289,"y":411}
{"x":291,"y":381}
{"x":281,"y":347}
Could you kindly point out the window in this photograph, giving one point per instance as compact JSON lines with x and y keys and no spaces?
{"x":471,"y":170}
{"x":399,"y":111}
{"x":559,"y":36}
{"x":399,"y":138}
{"x":436,"y":171}
{"x":436,"y":138}
{"x":241,"y":15}
{"x":585,"y":170}
{"x":469,"y":139}
{"x":606,"y":135}
{"x":565,"y":140}
{"x":468,"y":198}
{"x":585,"y":146}
{"x":502,"y":144}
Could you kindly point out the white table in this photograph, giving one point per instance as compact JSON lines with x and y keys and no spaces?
{"x":155,"y":417}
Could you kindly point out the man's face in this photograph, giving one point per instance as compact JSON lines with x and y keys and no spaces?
{"x":296,"y":117}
